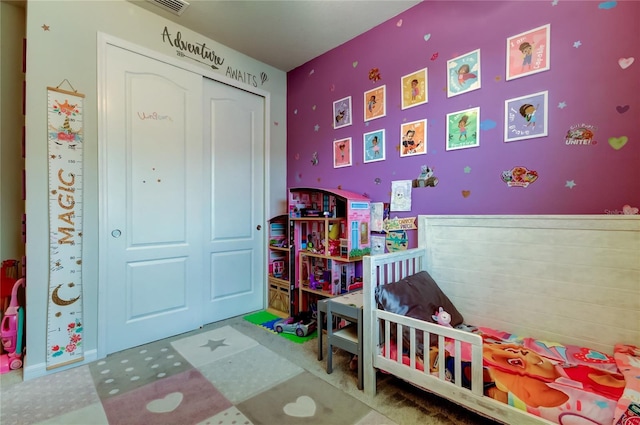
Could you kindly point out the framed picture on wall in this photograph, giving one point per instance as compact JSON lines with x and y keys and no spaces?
{"x":373,"y":146}
{"x":375,"y":101}
{"x":342,"y":113}
{"x":463,"y":73}
{"x":463,"y":129}
{"x":525,"y":117}
{"x":413,"y":138}
{"x":415,"y":89}
{"x":342,"y":153}
{"x":528,"y":52}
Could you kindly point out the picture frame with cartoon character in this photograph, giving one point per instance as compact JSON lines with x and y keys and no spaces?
{"x":373,"y":144}
{"x":525,"y":117}
{"x":529,"y":52}
{"x":463,"y":73}
{"x":375,"y":101}
{"x":342,"y":153}
{"x":413,"y":138}
{"x":342,"y":113}
{"x":463,"y":129}
{"x":415,"y":88}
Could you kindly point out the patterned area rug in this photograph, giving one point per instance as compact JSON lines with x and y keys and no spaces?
{"x":304,"y":399}
{"x":45,"y":398}
{"x":220,"y":376}
{"x":267,"y":320}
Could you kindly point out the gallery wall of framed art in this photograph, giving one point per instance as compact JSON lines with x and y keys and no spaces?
{"x":504,"y":117}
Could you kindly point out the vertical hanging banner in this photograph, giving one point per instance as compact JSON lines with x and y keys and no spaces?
{"x":64,"y":307}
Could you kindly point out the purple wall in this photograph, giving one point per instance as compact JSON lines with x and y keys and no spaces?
{"x":586,"y":84}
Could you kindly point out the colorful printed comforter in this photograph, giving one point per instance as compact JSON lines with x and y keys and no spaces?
{"x":565,"y":384}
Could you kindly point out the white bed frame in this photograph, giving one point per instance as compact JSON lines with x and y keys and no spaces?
{"x":573,"y":279}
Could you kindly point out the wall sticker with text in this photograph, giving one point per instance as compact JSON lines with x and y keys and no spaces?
{"x":202,"y":54}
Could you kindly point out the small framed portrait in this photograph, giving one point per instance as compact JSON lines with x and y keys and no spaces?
{"x":463,"y":129}
{"x":525,"y":117}
{"x":342,"y":113}
{"x":463,"y":73}
{"x":373,"y":143}
{"x":529,"y":52}
{"x":342,"y":153}
{"x":413,"y":138}
{"x":375,"y":101}
{"x":415,"y":89}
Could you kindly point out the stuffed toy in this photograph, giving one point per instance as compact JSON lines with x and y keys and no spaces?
{"x":442,"y":318}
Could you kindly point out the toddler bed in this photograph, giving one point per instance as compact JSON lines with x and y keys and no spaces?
{"x":547,"y":310}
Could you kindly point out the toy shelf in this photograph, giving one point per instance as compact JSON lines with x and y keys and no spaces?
{"x":280,"y":282}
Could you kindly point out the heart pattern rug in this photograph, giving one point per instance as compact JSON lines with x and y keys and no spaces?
{"x":304,"y":399}
{"x":219,"y":376}
{"x":231,"y":373}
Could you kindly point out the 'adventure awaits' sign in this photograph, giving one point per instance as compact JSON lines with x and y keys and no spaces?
{"x":201,"y":51}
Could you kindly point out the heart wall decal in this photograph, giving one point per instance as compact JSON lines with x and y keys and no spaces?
{"x":618,"y":142}
{"x":622,"y":109}
{"x":607,"y":5}
{"x":626,"y":62}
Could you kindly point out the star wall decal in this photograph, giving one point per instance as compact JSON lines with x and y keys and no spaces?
{"x":570,"y":184}
{"x":562,"y":105}
{"x":215,"y":344}
{"x":45,"y":27}
{"x":554,"y":3}
{"x":577,"y":44}
{"x":316,"y":127}
{"x":467,"y":169}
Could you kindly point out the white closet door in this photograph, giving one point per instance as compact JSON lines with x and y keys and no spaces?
{"x":234,"y":247}
{"x":154,"y":200}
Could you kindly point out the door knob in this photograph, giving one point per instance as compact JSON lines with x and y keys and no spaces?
{"x":258,"y":227}
{"x":116,"y":233}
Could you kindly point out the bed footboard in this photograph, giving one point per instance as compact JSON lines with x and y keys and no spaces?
{"x":422,"y":370}
{"x":381,"y":326}
{"x":381,"y":270}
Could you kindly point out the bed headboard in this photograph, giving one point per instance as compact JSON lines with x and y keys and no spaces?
{"x":571,"y":278}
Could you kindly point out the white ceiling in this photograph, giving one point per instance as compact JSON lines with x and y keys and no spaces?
{"x":283,"y":34}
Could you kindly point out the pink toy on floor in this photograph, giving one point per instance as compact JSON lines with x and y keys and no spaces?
{"x":11,"y":331}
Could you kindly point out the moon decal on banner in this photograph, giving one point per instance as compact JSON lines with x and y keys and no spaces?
{"x":59,"y":301}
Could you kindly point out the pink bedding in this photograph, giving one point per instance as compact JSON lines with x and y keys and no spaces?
{"x":565,"y":384}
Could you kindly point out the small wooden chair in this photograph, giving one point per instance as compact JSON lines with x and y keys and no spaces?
{"x":348,"y":338}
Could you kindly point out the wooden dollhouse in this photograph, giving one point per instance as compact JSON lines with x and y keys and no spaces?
{"x":329,"y":233}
